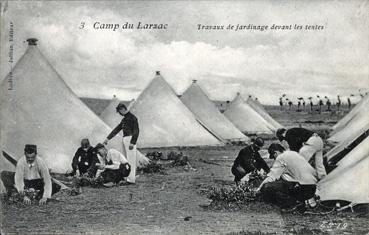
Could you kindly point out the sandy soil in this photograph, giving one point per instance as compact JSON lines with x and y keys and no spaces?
{"x":169,"y":204}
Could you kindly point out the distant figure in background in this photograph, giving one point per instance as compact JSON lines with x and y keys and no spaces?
{"x":249,"y":160}
{"x":320,"y":105}
{"x":308,"y":143}
{"x":298,"y":105}
{"x":31,"y":172}
{"x":328,"y":103}
{"x":311,"y":105}
{"x":83,"y":158}
{"x":349,"y":102}
{"x":281,"y":104}
{"x":130,"y":128}
{"x":338,"y":102}
{"x":303,"y":104}
{"x":290,"y":182}
{"x":290,"y":104}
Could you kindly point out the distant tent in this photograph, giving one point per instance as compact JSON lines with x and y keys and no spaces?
{"x":165,"y":121}
{"x":260,"y":109}
{"x":246,"y":118}
{"x":363,"y":104}
{"x":208,"y":115}
{"x":349,"y":180}
{"x":41,"y":109}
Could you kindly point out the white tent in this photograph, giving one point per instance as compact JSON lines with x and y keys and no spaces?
{"x":41,"y":109}
{"x":208,"y":115}
{"x":246,"y":118}
{"x":348,"y":181}
{"x":355,"y":127}
{"x":165,"y":121}
{"x":260,"y":110}
{"x":363,"y":104}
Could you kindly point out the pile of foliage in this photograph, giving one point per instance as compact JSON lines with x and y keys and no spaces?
{"x":232,"y":194}
{"x":179,"y":159}
{"x":153,"y":167}
{"x":16,"y":198}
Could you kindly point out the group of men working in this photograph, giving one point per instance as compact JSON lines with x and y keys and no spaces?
{"x":291,"y":181}
{"x":109,"y":165}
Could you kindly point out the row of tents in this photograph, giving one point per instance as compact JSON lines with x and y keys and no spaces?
{"x":41,"y":109}
{"x":348,"y":181}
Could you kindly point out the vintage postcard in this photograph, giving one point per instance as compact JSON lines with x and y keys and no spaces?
{"x":184,"y":117}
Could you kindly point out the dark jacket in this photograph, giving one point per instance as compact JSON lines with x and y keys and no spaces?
{"x":129,"y":126}
{"x":295,"y":137}
{"x":82,"y":157}
{"x":249,"y":159}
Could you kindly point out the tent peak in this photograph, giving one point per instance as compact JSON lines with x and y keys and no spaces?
{"x":194,"y":80}
{"x":32,"y":41}
{"x":157,"y":73}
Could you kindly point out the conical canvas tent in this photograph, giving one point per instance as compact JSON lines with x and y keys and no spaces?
{"x":349,"y":180}
{"x":41,"y":109}
{"x":208,"y":115}
{"x":246,"y":118}
{"x":341,"y":150}
{"x":363,"y":104}
{"x":355,"y":127}
{"x":165,"y":121}
{"x":260,"y":110}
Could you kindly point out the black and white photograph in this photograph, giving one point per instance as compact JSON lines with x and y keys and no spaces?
{"x":184,"y":117}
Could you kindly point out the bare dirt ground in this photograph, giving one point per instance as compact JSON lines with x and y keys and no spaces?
{"x":171,"y":204}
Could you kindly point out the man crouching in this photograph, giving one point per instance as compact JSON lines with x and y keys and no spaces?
{"x":31,"y":173}
{"x":291,"y":180}
{"x":112,"y":167}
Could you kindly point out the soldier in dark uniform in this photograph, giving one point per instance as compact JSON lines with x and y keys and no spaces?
{"x":249,"y":160}
{"x":83,"y":158}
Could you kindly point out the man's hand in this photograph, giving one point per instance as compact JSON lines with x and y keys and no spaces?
{"x":106,"y":141}
{"x":100,"y":166}
{"x":42,"y":201}
{"x":130,"y":147}
{"x":26,"y":200}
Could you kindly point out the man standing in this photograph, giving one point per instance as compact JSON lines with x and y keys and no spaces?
{"x":308,"y":144}
{"x":338,"y":103}
{"x":83,"y":158}
{"x":249,"y":160}
{"x":31,"y":172}
{"x":291,"y":180}
{"x":112,"y":166}
{"x":130,"y":128}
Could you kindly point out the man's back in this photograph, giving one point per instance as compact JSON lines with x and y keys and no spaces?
{"x":291,"y":166}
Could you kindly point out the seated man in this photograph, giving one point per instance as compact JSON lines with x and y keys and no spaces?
{"x":31,"y":172}
{"x":83,"y":158}
{"x":249,"y":160}
{"x":308,"y":144}
{"x":112,"y":166}
{"x":291,"y":180}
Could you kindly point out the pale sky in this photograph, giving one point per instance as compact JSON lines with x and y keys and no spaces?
{"x":101,"y":63}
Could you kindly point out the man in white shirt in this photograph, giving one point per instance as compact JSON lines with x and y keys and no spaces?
{"x":112,"y":166}
{"x":291,"y":180}
{"x":31,"y":172}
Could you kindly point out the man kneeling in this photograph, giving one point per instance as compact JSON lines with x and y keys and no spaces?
{"x":112,"y":166}
{"x":291,"y":180}
{"x":31,"y":173}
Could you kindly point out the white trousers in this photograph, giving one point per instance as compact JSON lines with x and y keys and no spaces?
{"x":131,"y":158}
{"x":314,"y":148}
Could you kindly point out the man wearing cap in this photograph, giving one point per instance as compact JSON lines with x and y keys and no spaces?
{"x":129,"y":126}
{"x":249,"y":160}
{"x":291,"y":180}
{"x":83,"y":158}
{"x":308,"y":144}
{"x":112,"y":166}
{"x":31,"y":172}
